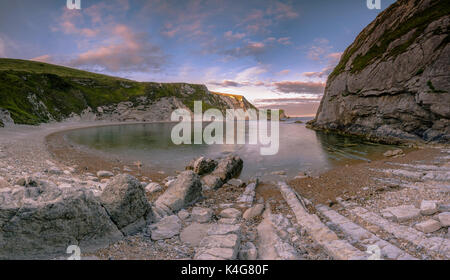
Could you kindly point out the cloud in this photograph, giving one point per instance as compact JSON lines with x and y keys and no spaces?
{"x":320,"y":48}
{"x":299,"y":87}
{"x":43,"y":58}
{"x":333,"y":59}
{"x":249,"y":49}
{"x":259,"y":20}
{"x":228,"y":83}
{"x":234,"y":36}
{"x":130,"y":51}
{"x":284,"y":72}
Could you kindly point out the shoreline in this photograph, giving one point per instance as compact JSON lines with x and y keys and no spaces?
{"x":42,"y":152}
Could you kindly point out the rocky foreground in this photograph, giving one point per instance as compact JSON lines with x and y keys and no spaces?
{"x":205,"y":213}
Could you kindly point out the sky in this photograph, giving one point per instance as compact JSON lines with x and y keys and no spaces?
{"x":277,"y":53}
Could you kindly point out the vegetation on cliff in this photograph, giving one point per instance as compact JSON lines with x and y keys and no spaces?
{"x":35,"y":92}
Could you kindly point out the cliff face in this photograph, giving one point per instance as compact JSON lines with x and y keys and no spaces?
{"x":393,"y":82}
{"x":33,"y":93}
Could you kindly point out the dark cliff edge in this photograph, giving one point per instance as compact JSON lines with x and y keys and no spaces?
{"x":34,"y":92}
{"x":392,"y":83}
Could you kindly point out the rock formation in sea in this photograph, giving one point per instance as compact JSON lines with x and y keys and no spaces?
{"x":392,"y":83}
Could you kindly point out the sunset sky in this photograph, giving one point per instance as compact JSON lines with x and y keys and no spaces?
{"x":275,"y":53}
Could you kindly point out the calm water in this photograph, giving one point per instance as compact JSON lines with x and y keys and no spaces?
{"x":301,"y":149}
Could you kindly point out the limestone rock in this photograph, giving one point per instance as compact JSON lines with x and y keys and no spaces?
{"x":212,"y":182}
{"x":201,"y":215}
{"x":40,"y":221}
{"x":253,"y":211}
{"x":428,"y":207}
{"x":166,"y":228}
{"x":202,"y":165}
{"x":228,"y":168}
{"x":392,"y":83}
{"x":230,"y":213}
{"x":194,"y":233}
{"x":184,"y":191}
{"x":444,"y":219}
{"x":404,"y":212}
{"x":428,"y":226}
{"x":124,"y":199}
{"x":104,"y":174}
{"x":153,"y":188}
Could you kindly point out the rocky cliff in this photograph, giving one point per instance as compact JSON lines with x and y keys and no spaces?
{"x":34,"y":92}
{"x":392,"y":83}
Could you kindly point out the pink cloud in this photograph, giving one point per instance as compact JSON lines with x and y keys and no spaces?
{"x":130,"y":51}
{"x":299,"y":87}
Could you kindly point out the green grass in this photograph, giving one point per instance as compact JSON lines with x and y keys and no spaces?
{"x":60,"y":91}
{"x":418,"y":23}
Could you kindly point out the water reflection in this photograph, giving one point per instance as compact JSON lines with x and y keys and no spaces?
{"x":300,"y":149}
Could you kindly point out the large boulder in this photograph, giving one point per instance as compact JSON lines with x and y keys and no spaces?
{"x":184,"y":191}
{"x":124,"y":199}
{"x":228,"y":168}
{"x":202,"y":165}
{"x":40,"y":220}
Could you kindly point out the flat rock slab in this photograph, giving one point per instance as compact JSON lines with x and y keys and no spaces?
{"x":404,"y":213}
{"x":230,"y":213}
{"x":223,"y":229}
{"x":428,"y":226}
{"x":194,"y":233}
{"x":444,"y":219}
{"x":166,"y":228}
{"x":201,"y":215}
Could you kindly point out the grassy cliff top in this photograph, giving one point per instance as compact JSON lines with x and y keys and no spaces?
{"x":35,"y":92}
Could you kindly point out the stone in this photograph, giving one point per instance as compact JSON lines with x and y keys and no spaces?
{"x":221,"y":241}
{"x":201,"y":215}
{"x":228,"y":221}
{"x":194,"y":233}
{"x":428,"y":226}
{"x":236,"y":183}
{"x":404,"y":213}
{"x":41,"y":220}
{"x":166,"y":228}
{"x":253,"y":212}
{"x":183,"y":215}
{"x":392,"y":153}
{"x":248,"y":252}
{"x":230,"y":213}
{"x":104,"y":174}
{"x":153,"y":188}
{"x":124,"y":199}
{"x":223,"y":229}
{"x":212,"y":182}
{"x":184,"y":191}
{"x":202,"y":165}
{"x":229,"y":167}
{"x":444,"y":219}
{"x":428,"y":207}
{"x":216,"y":254}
